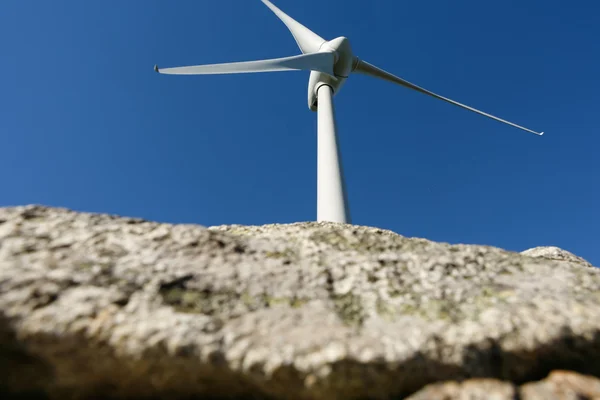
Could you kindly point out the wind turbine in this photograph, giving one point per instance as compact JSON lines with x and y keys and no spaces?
{"x":331,"y":63}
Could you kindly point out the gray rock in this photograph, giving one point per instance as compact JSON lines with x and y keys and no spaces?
{"x":98,"y":305}
{"x":473,"y":389}
{"x":555,"y":253}
{"x":560,"y":385}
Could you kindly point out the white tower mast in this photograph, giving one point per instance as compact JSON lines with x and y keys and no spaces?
{"x":332,"y":202}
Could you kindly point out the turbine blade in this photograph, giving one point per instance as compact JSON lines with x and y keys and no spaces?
{"x":371,"y":70}
{"x":307,"y":40}
{"x":322,"y":62}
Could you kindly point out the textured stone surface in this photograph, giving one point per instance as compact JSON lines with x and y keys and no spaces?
{"x":560,"y":385}
{"x":555,"y":253}
{"x":109,"y":306}
{"x":474,"y":389}
{"x":563,"y":385}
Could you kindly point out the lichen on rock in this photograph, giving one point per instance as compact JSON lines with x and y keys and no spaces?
{"x":100,"y":306}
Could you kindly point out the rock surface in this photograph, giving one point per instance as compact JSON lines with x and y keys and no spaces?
{"x":560,"y":385}
{"x":474,"y":389}
{"x":563,"y":385}
{"x":98,"y":306}
{"x":555,"y":253}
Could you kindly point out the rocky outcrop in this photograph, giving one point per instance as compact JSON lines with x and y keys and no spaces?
{"x":99,"y":306}
{"x":559,"y":385}
{"x":562,"y":385}
{"x":555,"y":253}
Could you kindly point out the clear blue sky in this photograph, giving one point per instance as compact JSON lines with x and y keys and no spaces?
{"x":85,"y":122}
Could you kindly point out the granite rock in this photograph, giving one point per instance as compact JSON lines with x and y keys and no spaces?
{"x":101,"y":306}
{"x":555,"y":253}
{"x":559,"y":385}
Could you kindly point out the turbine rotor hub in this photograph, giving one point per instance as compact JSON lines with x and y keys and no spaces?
{"x":343,"y":66}
{"x":344,"y":57}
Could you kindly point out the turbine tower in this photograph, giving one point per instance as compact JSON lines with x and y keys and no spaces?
{"x":330,"y":63}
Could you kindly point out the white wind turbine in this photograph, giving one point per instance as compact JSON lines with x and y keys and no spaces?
{"x":331,"y":63}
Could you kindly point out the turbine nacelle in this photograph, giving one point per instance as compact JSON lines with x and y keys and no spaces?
{"x":344,"y":63}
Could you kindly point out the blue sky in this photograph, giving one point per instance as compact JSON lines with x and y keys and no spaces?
{"x":85,"y":122}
